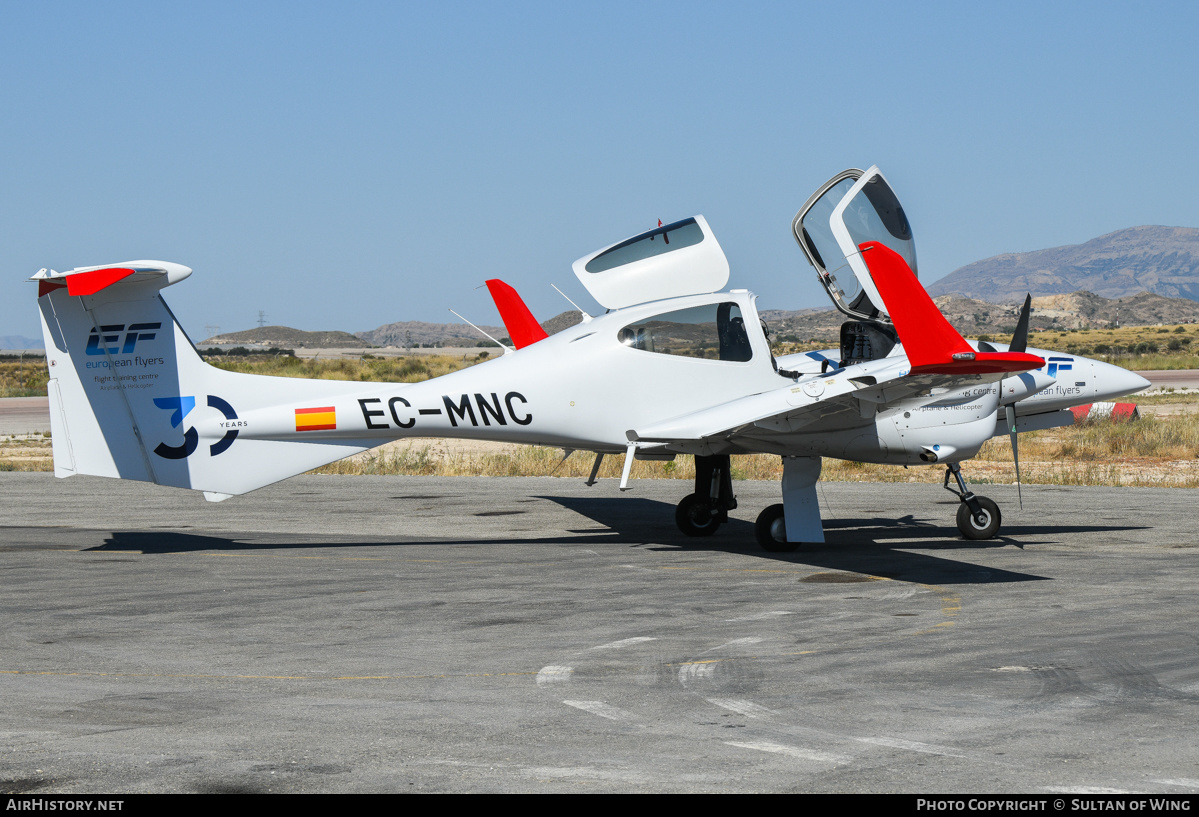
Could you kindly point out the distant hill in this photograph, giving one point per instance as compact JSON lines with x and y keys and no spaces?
{"x":1160,"y":260}
{"x":287,"y":338}
{"x":1140,"y":276}
{"x":408,"y":333}
{"x":20,"y":342}
{"x":451,"y":334}
{"x":562,"y":321}
{"x":972,"y":316}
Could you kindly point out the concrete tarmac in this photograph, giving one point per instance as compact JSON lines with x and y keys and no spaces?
{"x":24,"y":415}
{"x":345,"y":634}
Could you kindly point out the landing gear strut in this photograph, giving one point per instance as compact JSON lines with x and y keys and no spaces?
{"x":978,"y":516}
{"x":701,"y":513}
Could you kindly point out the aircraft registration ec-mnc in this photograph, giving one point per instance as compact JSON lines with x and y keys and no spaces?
{"x":675,"y":366}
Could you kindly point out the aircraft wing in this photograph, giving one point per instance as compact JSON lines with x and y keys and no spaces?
{"x":855,"y":393}
{"x":935,"y":356}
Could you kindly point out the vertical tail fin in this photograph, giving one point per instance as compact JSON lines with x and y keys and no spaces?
{"x":932,"y":345}
{"x":522,"y":327}
{"x":131,"y":398}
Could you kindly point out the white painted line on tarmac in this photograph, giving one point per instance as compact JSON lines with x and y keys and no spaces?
{"x":911,"y":746}
{"x":624,"y":642}
{"x":696,"y":671}
{"x":586,"y":773}
{"x":747,"y":708}
{"x":790,"y":751}
{"x":1085,"y":790}
{"x":602,"y":709}
{"x":553,"y":675}
{"x":1181,"y":782}
{"x":736,"y":642}
{"x":760,"y":616}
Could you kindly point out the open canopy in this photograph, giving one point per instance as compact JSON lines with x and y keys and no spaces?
{"x":669,"y":261}
{"x":853,"y":208}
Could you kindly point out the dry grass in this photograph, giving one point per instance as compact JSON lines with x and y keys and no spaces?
{"x":1151,"y":451}
{"x":1132,"y":347}
{"x":413,"y":369}
{"x":26,"y":454}
{"x":23,"y":378}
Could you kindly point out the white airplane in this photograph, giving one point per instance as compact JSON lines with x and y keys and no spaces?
{"x":675,"y":366}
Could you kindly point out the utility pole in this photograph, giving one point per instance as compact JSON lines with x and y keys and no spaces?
{"x":261,"y":319}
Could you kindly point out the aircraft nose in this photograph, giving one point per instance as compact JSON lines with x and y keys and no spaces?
{"x":1113,"y":381}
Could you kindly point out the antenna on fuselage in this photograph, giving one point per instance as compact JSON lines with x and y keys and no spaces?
{"x":507,"y":350}
{"x":586,"y":317}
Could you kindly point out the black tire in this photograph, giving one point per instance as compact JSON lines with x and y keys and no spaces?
{"x":695,"y":517}
{"x":771,"y":531}
{"x":970,"y":527}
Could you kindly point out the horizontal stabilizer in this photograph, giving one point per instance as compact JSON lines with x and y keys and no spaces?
{"x":84,"y":281}
{"x":522,"y":327}
{"x":932,"y":345}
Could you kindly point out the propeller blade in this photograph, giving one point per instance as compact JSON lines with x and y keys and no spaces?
{"x":1020,"y":336}
{"x":1010,"y":413}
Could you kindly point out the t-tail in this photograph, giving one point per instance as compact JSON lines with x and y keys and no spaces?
{"x":131,"y":398}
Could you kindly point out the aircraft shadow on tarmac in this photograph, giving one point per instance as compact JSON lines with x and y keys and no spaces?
{"x":863,"y":545}
{"x":881,"y":546}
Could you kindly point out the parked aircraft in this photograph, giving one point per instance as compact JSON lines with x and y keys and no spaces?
{"x":675,"y":366}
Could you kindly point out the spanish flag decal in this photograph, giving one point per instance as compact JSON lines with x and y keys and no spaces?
{"x":316,"y":419}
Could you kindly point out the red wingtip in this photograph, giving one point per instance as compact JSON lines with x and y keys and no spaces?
{"x":91,"y":282}
{"x":522,"y":327}
{"x":932,"y":345}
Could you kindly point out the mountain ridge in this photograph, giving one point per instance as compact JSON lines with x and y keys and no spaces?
{"x":1148,"y":258}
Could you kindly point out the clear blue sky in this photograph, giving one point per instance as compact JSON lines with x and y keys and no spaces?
{"x":341,"y":166}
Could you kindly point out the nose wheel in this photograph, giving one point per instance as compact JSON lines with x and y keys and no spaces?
{"x":978,"y":516}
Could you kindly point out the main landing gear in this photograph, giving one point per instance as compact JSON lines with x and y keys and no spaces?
{"x":780,"y":528}
{"x":771,"y":530}
{"x":978,"y":516}
{"x":787,"y":526}
{"x":701,"y":513}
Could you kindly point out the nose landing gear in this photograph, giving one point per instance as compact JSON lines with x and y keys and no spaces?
{"x":978,"y":516}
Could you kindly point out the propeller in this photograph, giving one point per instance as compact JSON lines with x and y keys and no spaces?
{"x":1019,"y":344}
{"x":1010,"y":412}
{"x":1020,"y":336}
